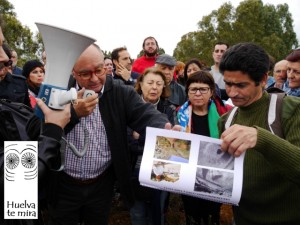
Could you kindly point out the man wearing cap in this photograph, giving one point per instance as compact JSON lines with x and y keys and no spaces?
{"x":166,"y":64}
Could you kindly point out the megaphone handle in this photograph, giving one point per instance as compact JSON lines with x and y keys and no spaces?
{"x":68,"y":96}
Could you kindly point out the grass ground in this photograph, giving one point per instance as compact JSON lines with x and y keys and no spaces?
{"x":175,"y":216}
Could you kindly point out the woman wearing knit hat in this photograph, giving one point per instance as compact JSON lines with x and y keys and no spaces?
{"x":34,"y":72}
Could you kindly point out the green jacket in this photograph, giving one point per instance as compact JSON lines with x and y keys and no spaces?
{"x":271,"y":192}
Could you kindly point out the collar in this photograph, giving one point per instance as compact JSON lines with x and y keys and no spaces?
{"x":257,"y":105}
{"x":154,"y":104}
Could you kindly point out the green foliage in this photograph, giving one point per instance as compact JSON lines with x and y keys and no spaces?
{"x":6,"y":8}
{"x":186,"y":49}
{"x":266,"y":25}
{"x":17,"y":36}
{"x":107,"y":54}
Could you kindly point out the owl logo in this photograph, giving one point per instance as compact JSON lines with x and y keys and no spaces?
{"x":21,"y":161}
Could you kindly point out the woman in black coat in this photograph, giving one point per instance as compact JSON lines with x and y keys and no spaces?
{"x":152,"y":87}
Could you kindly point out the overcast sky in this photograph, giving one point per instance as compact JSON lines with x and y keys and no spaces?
{"x":116,"y":23}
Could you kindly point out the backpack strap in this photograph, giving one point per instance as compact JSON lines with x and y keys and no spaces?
{"x":274,"y":113}
{"x":230,"y":117}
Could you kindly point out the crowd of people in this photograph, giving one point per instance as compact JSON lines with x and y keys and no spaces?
{"x":159,"y":91}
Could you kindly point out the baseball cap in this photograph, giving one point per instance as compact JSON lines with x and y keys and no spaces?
{"x":166,"y":60}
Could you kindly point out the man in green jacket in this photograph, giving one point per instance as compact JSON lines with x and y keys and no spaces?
{"x":271,"y":192}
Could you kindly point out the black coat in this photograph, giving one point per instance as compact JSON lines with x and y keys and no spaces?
{"x":14,"y":88}
{"x":178,"y":95}
{"x":48,"y":158}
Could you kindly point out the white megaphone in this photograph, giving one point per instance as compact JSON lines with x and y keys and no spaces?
{"x":62,"y":48}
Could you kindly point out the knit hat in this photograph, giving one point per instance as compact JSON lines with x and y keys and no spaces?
{"x":31,"y":65}
{"x":166,"y":60}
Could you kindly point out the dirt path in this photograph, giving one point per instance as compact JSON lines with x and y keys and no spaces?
{"x":175,"y":216}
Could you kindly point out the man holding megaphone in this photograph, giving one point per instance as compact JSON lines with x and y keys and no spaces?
{"x":85,"y":188}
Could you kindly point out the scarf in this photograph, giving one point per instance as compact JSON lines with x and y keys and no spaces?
{"x":184,"y":116}
{"x":293,"y":92}
{"x":290,"y":91}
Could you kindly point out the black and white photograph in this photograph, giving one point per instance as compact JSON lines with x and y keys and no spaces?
{"x":211,"y":155}
{"x":214,"y":182}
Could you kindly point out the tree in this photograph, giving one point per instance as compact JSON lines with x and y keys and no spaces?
{"x":17,"y":36}
{"x":107,"y":54}
{"x":187,"y":49}
{"x":266,"y":25}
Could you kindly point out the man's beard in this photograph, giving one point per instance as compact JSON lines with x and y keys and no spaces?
{"x":150,"y":54}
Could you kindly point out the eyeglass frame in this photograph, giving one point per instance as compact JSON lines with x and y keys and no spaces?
{"x":203,"y":91}
{"x":91,"y":73}
{"x":6,"y":64}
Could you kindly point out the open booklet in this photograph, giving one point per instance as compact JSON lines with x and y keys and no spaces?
{"x":191,"y":164}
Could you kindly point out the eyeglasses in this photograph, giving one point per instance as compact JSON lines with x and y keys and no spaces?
{"x":8,"y":63}
{"x":5,"y":64}
{"x":296,"y":72}
{"x":203,"y":90}
{"x":86,"y":75}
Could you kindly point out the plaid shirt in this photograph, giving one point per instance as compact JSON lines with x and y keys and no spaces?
{"x":98,"y":156}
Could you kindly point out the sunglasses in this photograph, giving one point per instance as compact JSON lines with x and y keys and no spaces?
{"x":8,"y":63}
{"x":5,"y":64}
